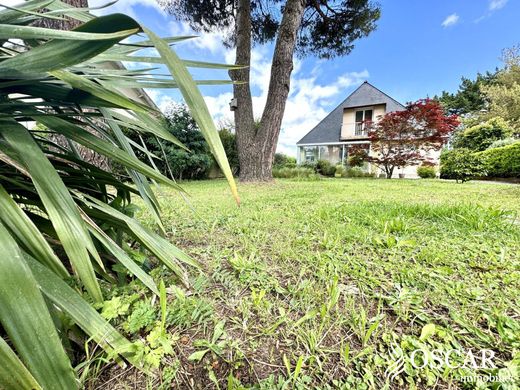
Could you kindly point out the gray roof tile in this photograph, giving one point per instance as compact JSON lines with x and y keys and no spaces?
{"x":329,"y":129}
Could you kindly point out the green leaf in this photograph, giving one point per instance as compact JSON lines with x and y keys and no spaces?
{"x":145,"y":123}
{"x":13,"y":374}
{"x":88,"y":319}
{"x":105,"y":148}
{"x":58,"y":203}
{"x":427,"y":331}
{"x":299,"y":365}
{"x":122,"y":256}
{"x":197,"y":106}
{"x":8,"y":31}
{"x":58,"y":53}
{"x":28,"y":234}
{"x":159,"y":60}
{"x":8,"y":14}
{"x":160,"y":247}
{"x":198,"y":355}
{"x":139,"y":180}
{"x":25,"y":318}
{"x":95,"y":89}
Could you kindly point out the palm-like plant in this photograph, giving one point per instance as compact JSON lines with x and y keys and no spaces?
{"x":63,"y":219}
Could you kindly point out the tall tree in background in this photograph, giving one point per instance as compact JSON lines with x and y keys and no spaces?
{"x":504,"y":95}
{"x":325,"y":28}
{"x":470,"y":97}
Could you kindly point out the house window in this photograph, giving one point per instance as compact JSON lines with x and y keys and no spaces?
{"x":309,"y":153}
{"x":363,"y":121}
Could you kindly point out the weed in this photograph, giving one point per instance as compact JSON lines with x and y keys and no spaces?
{"x":331,"y":274}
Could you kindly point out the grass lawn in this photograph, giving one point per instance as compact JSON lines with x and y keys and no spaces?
{"x":314,"y":282}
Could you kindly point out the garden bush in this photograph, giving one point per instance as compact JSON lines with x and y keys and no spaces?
{"x":282,"y":160}
{"x":481,"y":136}
{"x":503,"y":161}
{"x":356,"y":160}
{"x":310,"y":165}
{"x":462,"y":165}
{"x":426,"y":171}
{"x":503,"y":142}
{"x":229,"y":142}
{"x":356,"y":172}
{"x":340,"y":170}
{"x":294,"y":173}
{"x":325,"y":168}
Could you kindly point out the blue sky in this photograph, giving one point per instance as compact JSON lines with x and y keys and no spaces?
{"x":419,"y":49}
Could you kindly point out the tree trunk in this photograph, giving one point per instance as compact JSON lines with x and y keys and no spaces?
{"x":256,"y":146}
{"x":244,"y":120}
{"x":67,"y":23}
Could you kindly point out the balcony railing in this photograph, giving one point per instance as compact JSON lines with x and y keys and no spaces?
{"x":361,"y":129}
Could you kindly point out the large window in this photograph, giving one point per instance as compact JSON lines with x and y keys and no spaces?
{"x":331,"y":153}
{"x":309,"y":154}
{"x":363,"y":121}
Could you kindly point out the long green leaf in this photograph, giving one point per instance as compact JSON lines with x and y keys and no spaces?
{"x":96,"y":89}
{"x":197,"y":105}
{"x":140,"y":180}
{"x":7,"y":15}
{"x":160,"y":247}
{"x":68,"y":300}
{"x":8,"y":31}
{"x":146,"y":124}
{"x":58,"y":53}
{"x":28,"y":234}
{"x":123,"y":257}
{"x":159,"y":60}
{"x":13,"y":374}
{"x":105,"y":148}
{"x":58,"y":203}
{"x":24,"y":316}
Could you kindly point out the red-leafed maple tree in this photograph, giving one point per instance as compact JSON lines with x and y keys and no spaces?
{"x":405,"y":137}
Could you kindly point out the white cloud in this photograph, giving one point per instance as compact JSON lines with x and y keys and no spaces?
{"x":497,"y":4}
{"x":211,"y":42}
{"x":124,"y":6}
{"x":494,"y":5}
{"x":450,"y":20}
{"x":308,"y":103}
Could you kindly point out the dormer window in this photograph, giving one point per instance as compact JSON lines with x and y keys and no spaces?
{"x":363,"y":121}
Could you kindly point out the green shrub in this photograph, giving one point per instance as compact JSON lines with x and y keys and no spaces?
{"x":190,"y":164}
{"x":310,"y":165}
{"x":356,"y":172}
{"x":229,"y":142}
{"x":356,"y":160}
{"x":282,"y":160}
{"x":325,"y":168}
{"x":481,"y":136}
{"x":426,"y":171}
{"x":340,"y":170}
{"x":461,"y":165}
{"x":294,"y":173}
{"x":503,"y":142}
{"x":503,"y":161}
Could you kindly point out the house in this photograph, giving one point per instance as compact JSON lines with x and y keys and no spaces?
{"x":348,"y":125}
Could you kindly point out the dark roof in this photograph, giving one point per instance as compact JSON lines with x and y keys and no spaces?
{"x":329,"y":129}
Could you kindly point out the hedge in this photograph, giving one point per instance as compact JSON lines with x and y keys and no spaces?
{"x":503,"y":161}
